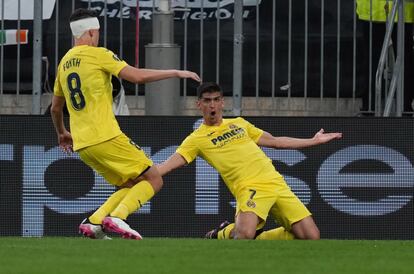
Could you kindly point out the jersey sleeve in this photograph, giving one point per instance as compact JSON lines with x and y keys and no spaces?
{"x":253,"y":132}
{"x":57,"y":88}
{"x":188,"y":149}
{"x":110,"y":61}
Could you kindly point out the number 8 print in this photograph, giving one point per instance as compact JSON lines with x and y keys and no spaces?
{"x":76,"y":96}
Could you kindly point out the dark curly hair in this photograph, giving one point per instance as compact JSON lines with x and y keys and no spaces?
{"x":208,"y":87}
{"x":82,"y":14}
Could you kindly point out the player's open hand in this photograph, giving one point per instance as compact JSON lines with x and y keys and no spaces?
{"x":189,"y":74}
{"x":321,"y":137}
{"x":66,"y":142}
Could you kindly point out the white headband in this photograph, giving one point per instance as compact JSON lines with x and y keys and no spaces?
{"x":78,"y":27}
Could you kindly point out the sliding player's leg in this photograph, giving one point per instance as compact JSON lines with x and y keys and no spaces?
{"x":279,"y":233}
{"x":222,"y":232}
{"x":137,"y":196}
{"x":110,"y":204}
{"x":253,"y":205}
{"x":306,"y":229}
{"x":293,"y":216}
{"x":92,"y":227}
{"x":121,"y":162}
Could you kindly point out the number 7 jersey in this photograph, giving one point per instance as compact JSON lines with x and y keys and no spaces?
{"x":84,"y":79}
{"x":231,"y":148}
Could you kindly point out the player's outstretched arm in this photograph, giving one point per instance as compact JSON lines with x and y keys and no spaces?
{"x":268,"y":140}
{"x":136,"y":75}
{"x":175,"y":161}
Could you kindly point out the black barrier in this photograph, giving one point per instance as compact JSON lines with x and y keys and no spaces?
{"x":360,"y":187}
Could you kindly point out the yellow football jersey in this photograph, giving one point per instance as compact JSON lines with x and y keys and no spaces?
{"x":232,"y":150}
{"x":84,"y":78}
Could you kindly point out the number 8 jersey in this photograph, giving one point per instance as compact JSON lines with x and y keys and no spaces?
{"x":84,"y":78}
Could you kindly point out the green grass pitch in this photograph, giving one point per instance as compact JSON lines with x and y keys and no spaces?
{"x":165,"y":255}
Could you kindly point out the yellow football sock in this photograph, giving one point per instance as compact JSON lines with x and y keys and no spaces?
{"x":109,"y":205}
{"x":225,"y":233}
{"x":137,"y":196}
{"x":276,"y":234}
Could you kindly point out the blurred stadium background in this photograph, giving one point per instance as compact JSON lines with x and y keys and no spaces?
{"x":274,"y":59}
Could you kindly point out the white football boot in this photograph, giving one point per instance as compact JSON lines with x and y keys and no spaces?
{"x":92,"y":231}
{"x":113,"y":224}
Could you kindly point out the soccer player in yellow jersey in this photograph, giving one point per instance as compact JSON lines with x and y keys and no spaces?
{"x":83,"y":82}
{"x":231,"y":146}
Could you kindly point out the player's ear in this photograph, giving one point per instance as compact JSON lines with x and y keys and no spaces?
{"x":222,"y":101}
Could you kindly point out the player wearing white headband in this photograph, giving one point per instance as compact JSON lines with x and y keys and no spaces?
{"x":83,"y":82}
{"x":79,"y":27}
{"x":84,"y":25}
